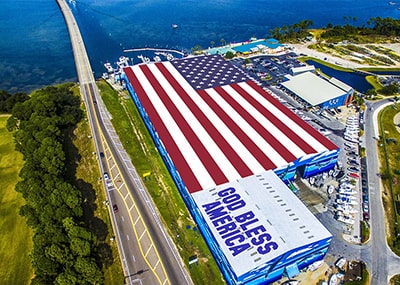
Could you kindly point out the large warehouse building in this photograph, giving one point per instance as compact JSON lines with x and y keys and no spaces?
{"x":317,"y":91}
{"x":230,"y":146}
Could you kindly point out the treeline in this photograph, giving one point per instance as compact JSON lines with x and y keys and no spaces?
{"x":64,"y":250}
{"x":292,"y":32}
{"x":383,"y":27}
{"x":7,"y":100}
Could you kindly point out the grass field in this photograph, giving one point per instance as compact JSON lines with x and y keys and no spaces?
{"x":15,"y":236}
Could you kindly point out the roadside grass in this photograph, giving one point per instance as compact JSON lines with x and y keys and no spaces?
{"x":146,"y":159}
{"x":395,"y":280}
{"x":364,"y":281}
{"x":390,"y":171}
{"x":15,"y":235}
{"x":373,"y":80}
{"x":365,"y":232}
{"x":84,"y":171}
{"x":331,"y":65}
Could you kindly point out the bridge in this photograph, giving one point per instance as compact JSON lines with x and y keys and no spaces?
{"x":147,"y":254}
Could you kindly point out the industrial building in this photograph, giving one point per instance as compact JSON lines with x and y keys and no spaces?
{"x":231,"y":149}
{"x":316,"y":91}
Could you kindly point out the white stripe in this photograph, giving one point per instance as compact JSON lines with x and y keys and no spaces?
{"x":180,"y":140}
{"x":270,"y":127}
{"x":215,"y":152}
{"x":230,"y":137}
{"x":308,"y":138}
{"x":269,"y":151}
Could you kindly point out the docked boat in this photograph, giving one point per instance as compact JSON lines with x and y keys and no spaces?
{"x":123,"y":61}
{"x":108,"y":67}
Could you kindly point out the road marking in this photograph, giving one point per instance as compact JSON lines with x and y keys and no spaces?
{"x":158,"y":262}
{"x":122,"y":218}
{"x":127,"y":236}
{"x":138,"y":218}
{"x":148,"y":250}
{"x":134,"y":259}
{"x":142,"y":235}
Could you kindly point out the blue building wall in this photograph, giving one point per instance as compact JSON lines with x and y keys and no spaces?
{"x":271,"y":271}
{"x":334,"y":103}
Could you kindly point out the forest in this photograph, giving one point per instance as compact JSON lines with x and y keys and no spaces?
{"x":64,"y":250}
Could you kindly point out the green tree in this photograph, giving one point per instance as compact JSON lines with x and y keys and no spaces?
{"x":229,"y":55}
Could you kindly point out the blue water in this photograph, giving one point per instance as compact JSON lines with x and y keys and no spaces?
{"x":35,"y":48}
{"x":355,"y":80}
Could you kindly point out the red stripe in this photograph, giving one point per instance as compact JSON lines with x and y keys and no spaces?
{"x":275,"y":121}
{"x":317,"y":135}
{"x":186,"y":173}
{"x":261,"y":157}
{"x":209,"y":163}
{"x":222,"y":143}
{"x":256,"y":125}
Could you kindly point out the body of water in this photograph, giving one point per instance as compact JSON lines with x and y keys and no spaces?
{"x":35,"y":49}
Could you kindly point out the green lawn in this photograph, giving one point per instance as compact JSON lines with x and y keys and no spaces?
{"x":15,"y":236}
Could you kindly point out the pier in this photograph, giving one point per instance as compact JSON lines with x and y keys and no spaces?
{"x":154,"y":49}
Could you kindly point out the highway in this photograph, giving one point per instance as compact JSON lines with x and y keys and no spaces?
{"x":147,"y":254}
{"x":383,"y":262}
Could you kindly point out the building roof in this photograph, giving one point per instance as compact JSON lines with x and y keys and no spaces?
{"x":301,"y":69}
{"x":268,"y":43}
{"x":312,"y":88}
{"x":340,"y":84}
{"x":273,"y":209}
{"x":216,"y":124}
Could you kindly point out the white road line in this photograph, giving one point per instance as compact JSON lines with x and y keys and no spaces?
{"x":127,"y":236}
{"x":134,"y":259}
{"x":122,"y":218}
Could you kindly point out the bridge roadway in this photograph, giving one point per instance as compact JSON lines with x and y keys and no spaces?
{"x":147,"y":254}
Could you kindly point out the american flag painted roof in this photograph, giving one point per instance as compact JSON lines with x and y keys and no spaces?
{"x":216,"y":124}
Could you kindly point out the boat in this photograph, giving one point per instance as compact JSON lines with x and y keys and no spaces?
{"x":123,"y":61}
{"x":333,"y":280}
{"x":341,"y":263}
{"x":314,"y":266}
{"x":330,"y":189}
{"x":392,"y":3}
{"x":174,"y":26}
{"x":144,"y":59}
{"x":108,"y":67}
{"x":345,"y":220}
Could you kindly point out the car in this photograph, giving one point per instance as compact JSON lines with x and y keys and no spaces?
{"x":353,"y":162}
{"x":115,"y":208}
{"x":101,"y":154}
{"x":353,"y":169}
{"x":365,"y":207}
{"x":105,"y":175}
{"x":353,"y":175}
